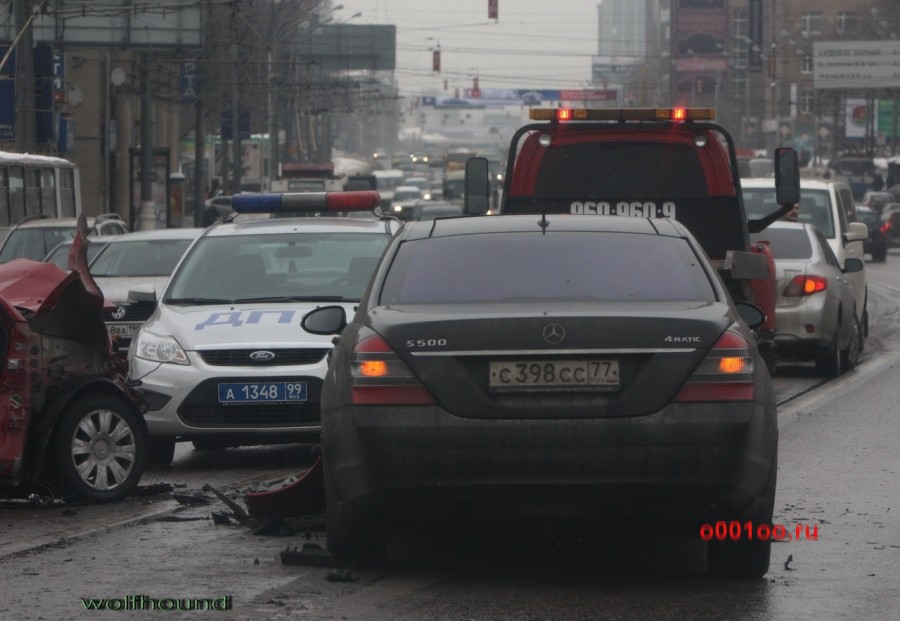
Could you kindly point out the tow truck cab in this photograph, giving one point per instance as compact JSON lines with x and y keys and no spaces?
{"x":653,"y":163}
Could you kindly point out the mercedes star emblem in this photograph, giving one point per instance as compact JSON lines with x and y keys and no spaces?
{"x":554,"y":333}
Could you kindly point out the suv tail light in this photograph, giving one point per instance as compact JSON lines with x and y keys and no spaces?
{"x":379,"y":377}
{"x":805,"y":285}
{"x":725,"y":374}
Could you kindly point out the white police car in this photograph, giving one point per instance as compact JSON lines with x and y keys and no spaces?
{"x":224,"y":361}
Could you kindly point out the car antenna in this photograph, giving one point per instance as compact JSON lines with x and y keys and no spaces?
{"x":543,"y":223}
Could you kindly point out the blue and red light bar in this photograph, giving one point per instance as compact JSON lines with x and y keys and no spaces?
{"x":622,"y":114}
{"x":305,"y":202}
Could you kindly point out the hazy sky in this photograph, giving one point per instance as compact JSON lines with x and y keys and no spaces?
{"x":534,"y":44}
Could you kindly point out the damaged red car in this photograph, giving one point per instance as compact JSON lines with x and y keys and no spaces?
{"x":70,"y":426}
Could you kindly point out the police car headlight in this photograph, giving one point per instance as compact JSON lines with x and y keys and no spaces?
{"x":149,"y":346}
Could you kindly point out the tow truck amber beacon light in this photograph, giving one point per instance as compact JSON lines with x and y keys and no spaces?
{"x":308,"y":202}
{"x":622,"y":114}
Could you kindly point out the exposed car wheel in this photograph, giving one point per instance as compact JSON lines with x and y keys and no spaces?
{"x":850,"y":356}
{"x":161,"y":451}
{"x":349,"y":535}
{"x":880,"y":256}
{"x":100,"y":449}
{"x":746,"y":558}
{"x":828,"y":361}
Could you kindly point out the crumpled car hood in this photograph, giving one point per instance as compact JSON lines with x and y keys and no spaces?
{"x":54,"y":302}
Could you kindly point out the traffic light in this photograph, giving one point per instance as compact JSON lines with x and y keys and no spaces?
{"x":698,"y":86}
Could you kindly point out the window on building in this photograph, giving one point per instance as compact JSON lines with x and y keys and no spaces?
{"x":808,"y":102}
{"x":740,"y":50}
{"x":806,"y":62}
{"x":811,"y":22}
{"x":847,"y":23}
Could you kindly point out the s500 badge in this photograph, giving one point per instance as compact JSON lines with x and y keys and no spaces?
{"x":413,"y":343}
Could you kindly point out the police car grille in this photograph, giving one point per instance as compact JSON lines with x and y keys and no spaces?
{"x":201,"y":408}
{"x":241,"y":357}
{"x":138,"y":311}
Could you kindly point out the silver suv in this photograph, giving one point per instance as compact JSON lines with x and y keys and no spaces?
{"x":829,"y":206}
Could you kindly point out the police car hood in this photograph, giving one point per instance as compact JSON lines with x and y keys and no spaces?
{"x":224,"y":326}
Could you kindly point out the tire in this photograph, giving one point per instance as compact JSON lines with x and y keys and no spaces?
{"x":746,"y":559}
{"x":880,"y":256}
{"x":349,"y":536}
{"x":850,"y":356}
{"x":828,"y":361}
{"x":100,"y":448}
{"x":161,"y":451}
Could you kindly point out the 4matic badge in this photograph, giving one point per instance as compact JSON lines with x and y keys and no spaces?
{"x":682,"y":339}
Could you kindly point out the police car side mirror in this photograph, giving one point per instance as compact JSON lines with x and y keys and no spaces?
{"x":477,"y":197}
{"x":325,"y":320}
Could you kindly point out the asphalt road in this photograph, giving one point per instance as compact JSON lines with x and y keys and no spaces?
{"x":838,"y":473}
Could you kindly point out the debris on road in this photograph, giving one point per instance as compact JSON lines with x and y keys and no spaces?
{"x":293,"y":497}
{"x":193,"y":500}
{"x":341,"y":575}
{"x":239,"y":513}
{"x":311,"y":554}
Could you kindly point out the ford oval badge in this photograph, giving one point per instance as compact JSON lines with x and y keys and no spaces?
{"x":262,"y":356}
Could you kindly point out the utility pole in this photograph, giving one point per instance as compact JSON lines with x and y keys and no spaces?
{"x":147,"y":209}
{"x":26,"y":133}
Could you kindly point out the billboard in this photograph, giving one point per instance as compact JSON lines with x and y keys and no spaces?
{"x":349,"y":46}
{"x":856,"y":65}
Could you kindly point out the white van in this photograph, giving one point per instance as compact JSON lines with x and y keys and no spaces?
{"x":386,"y":182}
{"x":829,"y":206}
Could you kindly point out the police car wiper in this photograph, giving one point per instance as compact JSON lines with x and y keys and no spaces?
{"x":197,"y":301}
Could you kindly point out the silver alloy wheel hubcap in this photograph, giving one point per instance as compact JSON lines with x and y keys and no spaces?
{"x":103,"y":449}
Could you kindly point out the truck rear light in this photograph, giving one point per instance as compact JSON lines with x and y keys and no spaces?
{"x":622,"y":114}
{"x":380,"y":377}
{"x":725,"y":374}
{"x":804,"y":285}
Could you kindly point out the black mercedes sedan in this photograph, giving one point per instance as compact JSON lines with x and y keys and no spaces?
{"x":572,"y":368}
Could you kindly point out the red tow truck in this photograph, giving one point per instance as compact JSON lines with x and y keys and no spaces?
{"x":649,"y":163}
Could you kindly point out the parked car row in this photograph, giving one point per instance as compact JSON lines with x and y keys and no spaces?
{"x":821,"y":308}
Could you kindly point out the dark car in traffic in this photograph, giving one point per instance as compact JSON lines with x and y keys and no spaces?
{"x":583,"y":368}
{"x":876,"y":244}
{"x":890,"y":224}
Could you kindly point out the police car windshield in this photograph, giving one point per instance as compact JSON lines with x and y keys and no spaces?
{"x":278,"y":267}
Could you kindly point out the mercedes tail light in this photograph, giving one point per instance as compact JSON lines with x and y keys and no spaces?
{"x":380,"y":377}
{"x":725,"y":374}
